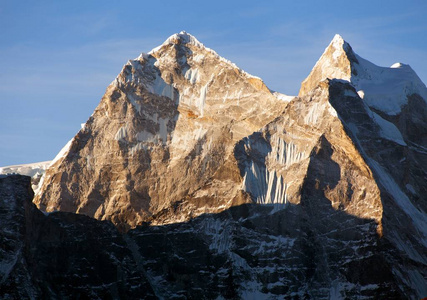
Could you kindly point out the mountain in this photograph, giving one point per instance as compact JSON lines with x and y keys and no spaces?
{"x":162,"y":135}
{"x":221,"y":188}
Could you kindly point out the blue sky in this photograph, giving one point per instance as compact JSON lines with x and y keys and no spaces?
{"x":58,"y":57}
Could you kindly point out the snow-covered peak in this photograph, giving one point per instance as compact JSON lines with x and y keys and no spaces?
{"x":190,"y":56}
{"x":385,"y":89}
{"x":398,"y":65}
{"x":340,"y":47}
{"x":186,"y":39}
{"x":337,"y":41}
{"x":335,"y":63}
{"x":183,"y":38}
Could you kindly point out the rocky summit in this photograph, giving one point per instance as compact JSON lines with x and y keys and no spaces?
{"x":220,"y":188}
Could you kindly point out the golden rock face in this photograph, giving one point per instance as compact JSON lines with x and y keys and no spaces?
{"x":335,"y":63}
{"x":163,"y":132}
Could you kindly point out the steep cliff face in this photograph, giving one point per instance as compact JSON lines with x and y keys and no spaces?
{"x":165,"y":129}
{"x":337,"y":61}
{"x":383,"y":110}
{"x":278,"y":161}
{"x":61,"y":255}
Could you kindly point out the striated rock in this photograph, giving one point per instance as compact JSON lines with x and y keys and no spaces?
{"x":276,"y":160}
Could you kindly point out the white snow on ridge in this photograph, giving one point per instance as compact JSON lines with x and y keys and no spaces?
{"x":121,"y":134}
{"x":382,"y":88}
{"x":186,"y":38}
{"x":160,"y":87}
{"x":339,"y":44}
{"x":62,"y":153}
{"x":389,"y":130}
{"x":400,"y":198}
{"x":386,"y":89}
{"x":397,"y":65}
{"x":282,"y":97}
{"x":418,"y":218}
{"x":26,"y":169}
{"x":34,"y":170}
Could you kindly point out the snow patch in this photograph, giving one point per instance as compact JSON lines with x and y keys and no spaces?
{"x":31,"y":170}
{"x":192,"y":75}
{"x":163,"y":129}
{"x":387,"y":89}
{"x":267,"y":187}
{"x":389,"y":130}
{"x":200,"y":104}
{"x":410,"y":188}
{"x":397,"y":65}
{"x":121,"y":134}
{"x":134,"y":103}
{"x":159,"y":87}
{"x":145,"y":136}
{"x":314,"y":113}
{"x":283,"y":153}
{"x":283,"y":97}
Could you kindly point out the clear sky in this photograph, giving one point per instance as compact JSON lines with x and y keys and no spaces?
{"x":58,"y":57}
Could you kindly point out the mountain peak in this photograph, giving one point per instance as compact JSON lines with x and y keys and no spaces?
{"x":335,"y":62}
{"x":187,"y":40}
{"x":339,"y":45}
{"x":385,"y":89}
{"x":399,"y":65}
{"x":182,"y":38}
{"x":338,"y":40}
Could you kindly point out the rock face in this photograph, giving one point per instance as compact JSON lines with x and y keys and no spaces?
{"x":322,"y":196}
{"x":61,"y":255}
{"x":163,"y":133}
